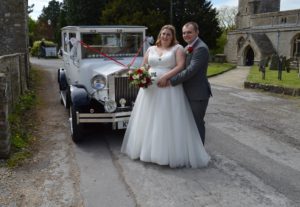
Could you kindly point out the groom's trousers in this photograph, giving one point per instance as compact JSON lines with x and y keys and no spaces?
{"x":199,"y":109}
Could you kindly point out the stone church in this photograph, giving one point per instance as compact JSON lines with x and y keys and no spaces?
{"x":262,"y":30}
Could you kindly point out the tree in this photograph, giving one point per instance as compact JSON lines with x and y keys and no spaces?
{"x":31,"y":29}
{"x":199,"y":11}
{"x":83,"y":12}
{"x":30,"y":8}
{"x":226,"y":17}
{"x":152,"y":14}
{"x":48,"y":21}
{"x":220,"y":44}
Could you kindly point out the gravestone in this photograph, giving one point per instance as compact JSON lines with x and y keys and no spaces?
{"x":274,"y":62}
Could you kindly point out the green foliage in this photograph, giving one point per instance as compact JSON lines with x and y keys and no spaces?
{"x":16,"y":119}
{"x":48,"y":24}
{"x":20,"y":134}
{"x":218,"y":68}
{"x":221,"y":42}
{"x":199,"y":11}
{"x":289,"y":80}
{"x":82,"y":12}
{"x":17,"y":158}
{"x":36,"y":46}
{"x":131,"y":12}
{"x":30,"y":8}
{"x":155,"y":14}
{"x":21,"y":126}
{"x":152,"y":14}
{"x":31,"y":28}
{"x":18,"y":141}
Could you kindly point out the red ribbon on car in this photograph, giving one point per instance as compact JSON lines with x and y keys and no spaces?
{"x":107,"y":56}
{"x":97,"y":51}
{"x":139,"y":50}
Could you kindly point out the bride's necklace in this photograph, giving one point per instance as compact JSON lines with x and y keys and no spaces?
{"x":161,"y":52}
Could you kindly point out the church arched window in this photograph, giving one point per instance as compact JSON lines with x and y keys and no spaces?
{"x":240,"y":42}
{"x":296,"y":46}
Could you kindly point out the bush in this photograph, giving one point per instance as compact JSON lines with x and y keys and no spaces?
{"x":22,"y":123}
{"x":36,"y":46}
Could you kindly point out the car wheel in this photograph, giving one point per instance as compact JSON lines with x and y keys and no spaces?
{"x":76,"y":129}
{"x":68,"y":98}
{"x":61,"y":101}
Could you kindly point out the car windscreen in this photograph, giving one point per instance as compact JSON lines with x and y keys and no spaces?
{"x":111,"y":44}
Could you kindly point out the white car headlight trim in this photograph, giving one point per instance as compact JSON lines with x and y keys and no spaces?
{"x":98,"y":82}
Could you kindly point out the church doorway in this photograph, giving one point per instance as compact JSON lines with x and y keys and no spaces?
{"x":249,"y":56}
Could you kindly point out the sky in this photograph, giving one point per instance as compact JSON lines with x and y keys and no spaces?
{"x":285,"y":5}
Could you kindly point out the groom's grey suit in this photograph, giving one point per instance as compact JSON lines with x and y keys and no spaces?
{"x":195,"y":83}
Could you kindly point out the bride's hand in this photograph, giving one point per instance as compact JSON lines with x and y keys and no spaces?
{"x":162,"y":82}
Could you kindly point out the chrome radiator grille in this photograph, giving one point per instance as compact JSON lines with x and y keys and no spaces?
{"x":124,"y":90}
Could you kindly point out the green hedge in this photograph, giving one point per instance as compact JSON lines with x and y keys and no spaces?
{"x":36,"y":46}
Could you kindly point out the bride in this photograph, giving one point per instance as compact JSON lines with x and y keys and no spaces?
{"x":161,"y":128}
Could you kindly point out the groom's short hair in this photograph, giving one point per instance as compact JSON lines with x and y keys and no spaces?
{"x":194,"y":24}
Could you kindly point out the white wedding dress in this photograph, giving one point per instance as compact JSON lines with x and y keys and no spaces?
{"x":161,"y":128}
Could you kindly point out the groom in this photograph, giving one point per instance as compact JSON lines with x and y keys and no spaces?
{"x":193,"y":77}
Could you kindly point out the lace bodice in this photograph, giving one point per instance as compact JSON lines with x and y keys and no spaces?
{"x":166,"y":61}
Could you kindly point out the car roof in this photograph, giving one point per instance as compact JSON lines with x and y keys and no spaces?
{"x":87,"y":27}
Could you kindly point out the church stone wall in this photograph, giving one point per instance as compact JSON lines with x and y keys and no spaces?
{"x":261,"y":21}
{"x":276,"y":19}
{"x":231,"y":47}
{"x":266,"y":6}
{"x":280,"y":27}
{"x":249,"y":8}
{"x":281,"y":40}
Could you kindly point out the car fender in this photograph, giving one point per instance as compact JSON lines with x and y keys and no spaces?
{"x":79,"y":96}
{"x":62,"y":79}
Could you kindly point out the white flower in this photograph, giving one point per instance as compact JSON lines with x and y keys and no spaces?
{"x":136,"y":76}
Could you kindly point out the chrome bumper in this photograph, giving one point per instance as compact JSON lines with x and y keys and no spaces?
{"x":102,"y":117}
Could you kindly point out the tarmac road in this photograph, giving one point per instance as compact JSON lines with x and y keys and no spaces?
{"x":253,"y":139}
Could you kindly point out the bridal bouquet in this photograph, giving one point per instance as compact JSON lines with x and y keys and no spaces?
{"x":140,"y":77}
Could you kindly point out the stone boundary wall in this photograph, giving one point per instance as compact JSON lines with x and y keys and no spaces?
{"x":14,"y":75}
{"x":13,"y":27}
{"x":273,"y":89}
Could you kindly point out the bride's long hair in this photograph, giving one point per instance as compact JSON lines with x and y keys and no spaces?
{"x":173,"y":31}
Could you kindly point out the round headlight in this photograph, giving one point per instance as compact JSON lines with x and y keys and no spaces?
{"x":98,"y":82}
{"x":110,"y":106}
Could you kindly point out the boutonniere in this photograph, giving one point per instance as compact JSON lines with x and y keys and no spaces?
{"x":189,"y":50}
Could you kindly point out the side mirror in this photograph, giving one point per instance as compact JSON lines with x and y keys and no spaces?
{"x":149,"y":41}
{"x":60,"y":53}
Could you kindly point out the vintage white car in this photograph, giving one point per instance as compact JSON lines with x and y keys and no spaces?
{"x":94,"y":82}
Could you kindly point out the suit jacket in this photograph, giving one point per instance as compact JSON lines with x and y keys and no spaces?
{"x":193,"y":77}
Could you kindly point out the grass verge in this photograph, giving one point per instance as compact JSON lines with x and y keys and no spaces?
{"x":21,"y":124}
{"x":218,"y":68}
{"x":288,"y":80}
